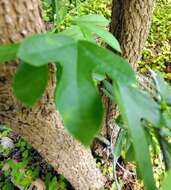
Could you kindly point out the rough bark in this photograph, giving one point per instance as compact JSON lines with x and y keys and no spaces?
{"x":131,"y":21}
{"x":41,"y":125}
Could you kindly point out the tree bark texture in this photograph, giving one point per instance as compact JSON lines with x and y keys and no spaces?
{"x":131,"y":20}
{"x":41,"y":125}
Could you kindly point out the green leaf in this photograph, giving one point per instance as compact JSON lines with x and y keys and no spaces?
{"x":119,"y":144}
{"x":8,"y":52}
{"x":130,"y":154}
{"x":93,"y":19}
{"x":47,"y":179}
{"x":102,"y":33}
{"x":73,"y":32}
{"x":93,"y":24}
{"x":82,"y":110}
{"x":139,"y":104}
{"x":53,"y":184}
{"x":108,"y":90}
{"x":135,"y":106}
{"x":108,"y":63}
{"x":108,"y":38}
{"x":42,"y":49}
{"x":167,"y":181}
{"x":8,"y":186}
{"x":88,"y":35}
{"x":98,"y":77}
{"x":166,"y":132}
{"x":167,"y":118}
{"x":76,"y":96}
{"x":88,"y":26}
{"x":30,"y":83}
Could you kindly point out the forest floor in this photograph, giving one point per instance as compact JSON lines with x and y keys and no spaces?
{"x":21,"y":166}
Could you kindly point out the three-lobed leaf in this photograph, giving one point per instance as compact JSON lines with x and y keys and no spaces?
{"x":77,"y":96}
{"x":89,"y":27}
{"x":108,"y":38}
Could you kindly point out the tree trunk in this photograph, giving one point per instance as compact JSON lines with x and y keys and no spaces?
{"x":41,"y":125}
{"x":131,"y":21}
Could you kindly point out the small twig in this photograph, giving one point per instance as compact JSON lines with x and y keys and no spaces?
{"x":114,"y":160}
{"x":127,"y":171}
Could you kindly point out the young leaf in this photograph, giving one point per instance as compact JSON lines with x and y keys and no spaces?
{"x":30,"y":83}
{"x":73,"y":32}
{"x":88,"y":35}
{"x":8,"y":52}
{"x":135,"y":106}
{"x":53,"y":184}
{"x":93,"y":19}
{"x":98,"y":77}
{"x":102,"y":33}
{"x":47,"y":179}
{"x":108,"y":38}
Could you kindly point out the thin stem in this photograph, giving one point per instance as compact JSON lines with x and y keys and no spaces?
{"x":165,"y":157}
{"x":130,"y":173}
{"x":114,"y":160}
